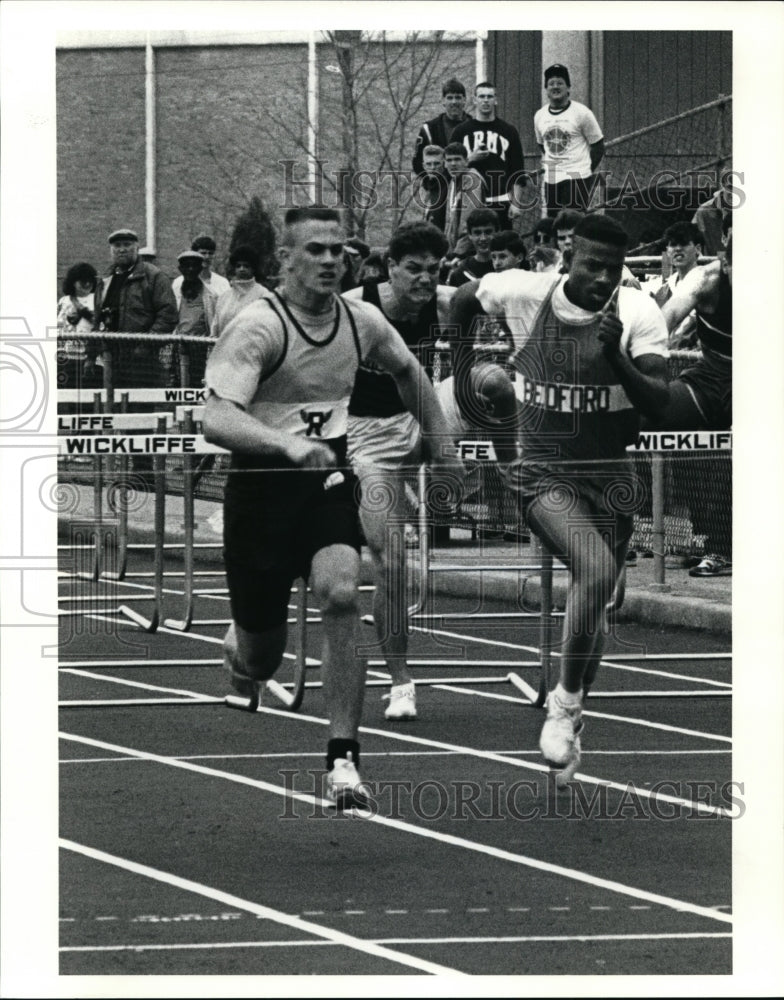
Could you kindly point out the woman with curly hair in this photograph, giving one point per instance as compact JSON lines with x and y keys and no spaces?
{"x":75,"y":314}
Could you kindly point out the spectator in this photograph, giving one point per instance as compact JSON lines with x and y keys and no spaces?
{"x":709,"y":219}
{"x":134,"y":297}
{"x":466,"y":192}
{"x":482,"y":225}
{"x":544,"y":255}
{"x":206,"y":246}
{"x":354,"y":252}
{"x":563,"y":227}
{"x":571,"y":142}
{"x":683,"y":242}
{"x":196,"y":305}
{"x":374,"y":268}
{"x":75,"y":315}
{"x":438,"y":131}
{"x":430,"y":187}
{"x":244,"y":288}
{"x":507,"y":251}
{"x":494,"y":149}
{"x":701,"y":397}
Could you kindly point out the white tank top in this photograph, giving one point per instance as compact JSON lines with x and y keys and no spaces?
{"x":308,"y":389}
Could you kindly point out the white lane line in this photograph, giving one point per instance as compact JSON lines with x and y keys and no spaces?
{"x":533,"y":649}
{"x":393,"y":753}
{"x":700,"y":807}
{"x":306,"y":926}
{"x":444,"y":838}
{"x":164,"y":590}
{"x":630,"y":720}
{"x":319,"y":755}
{"x":216,"y":641}
{"x":528,"y":939}
{"x":528,"y":765}
{"x":140,"y":663}
{"x":191,"y":695}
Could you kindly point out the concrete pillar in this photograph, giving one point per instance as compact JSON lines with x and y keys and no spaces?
{"x":573,"y":50}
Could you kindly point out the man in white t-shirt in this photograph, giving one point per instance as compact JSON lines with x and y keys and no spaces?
{"x":590,"y":357}
{"x":571,"y":142}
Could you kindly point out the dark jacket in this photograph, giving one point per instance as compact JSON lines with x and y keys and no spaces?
{"x":436,"y":132}
{"x":147,"y":303}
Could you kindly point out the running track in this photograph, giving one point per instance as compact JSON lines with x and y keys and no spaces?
{"x":195,"y":839}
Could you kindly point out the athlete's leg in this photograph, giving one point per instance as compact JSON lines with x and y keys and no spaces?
{"x":383,"y":515}
{"x":613,"y":605}
{"x":594,"y":561}
{"x":588,"y":547}
{"x":256,"y":655}
{"x":334,"y":580}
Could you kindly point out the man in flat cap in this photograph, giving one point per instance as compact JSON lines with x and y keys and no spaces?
{"x":206,"y":247}
{"x":571,"y":142}
{"x":133,"y":297}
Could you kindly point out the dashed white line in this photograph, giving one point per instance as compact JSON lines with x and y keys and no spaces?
{"x":335,"y":937}
{"x":573,"y":874}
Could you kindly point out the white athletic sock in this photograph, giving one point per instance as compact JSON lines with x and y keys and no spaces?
{"x":568,"y":698}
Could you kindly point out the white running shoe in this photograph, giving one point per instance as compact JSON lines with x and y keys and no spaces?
{"x":402,"y":702}
{"x":560,"y":738}
{"x":344,"y":786}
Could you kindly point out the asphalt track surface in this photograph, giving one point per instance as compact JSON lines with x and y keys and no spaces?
{"x":196,"y":840}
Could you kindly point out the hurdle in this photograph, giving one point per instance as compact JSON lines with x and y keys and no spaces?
{"x":160,"y":444}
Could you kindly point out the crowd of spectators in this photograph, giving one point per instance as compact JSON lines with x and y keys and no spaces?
{"x":468,"y":181}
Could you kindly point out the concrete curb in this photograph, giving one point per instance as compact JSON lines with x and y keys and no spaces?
{"x":643,"y":605}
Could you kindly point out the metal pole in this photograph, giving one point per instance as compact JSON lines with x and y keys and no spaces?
{"x":313,"y":113}
{"x":149,"y":142}
{"x":657,"y":503}
{"x":481,"y":65}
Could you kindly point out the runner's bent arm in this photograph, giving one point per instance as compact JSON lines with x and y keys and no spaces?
{"x":690,"y":292}
{"x":465,"y":314}
{"x":387,"y":349}
{"x":644,"y":377}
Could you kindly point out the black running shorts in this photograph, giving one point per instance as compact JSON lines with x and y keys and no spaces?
{"x":274,"y":522}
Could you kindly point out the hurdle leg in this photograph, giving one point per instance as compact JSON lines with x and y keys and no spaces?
{"x":184,"y":624}
{"x":545,"y":623}
{"x":95,"y":572}
{"x":151,"y":624}
{"x":294,"y":702}
{"x":121,"y":509}
{"x":424,"y":544}
{"x":189,"y":516}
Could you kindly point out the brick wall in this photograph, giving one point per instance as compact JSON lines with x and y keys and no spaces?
{"x":225,"y":116}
